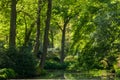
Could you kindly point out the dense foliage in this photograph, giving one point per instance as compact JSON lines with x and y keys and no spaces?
{"x":21,"y":61}
{"x":78,"y":35}
{"x":7,"y":73}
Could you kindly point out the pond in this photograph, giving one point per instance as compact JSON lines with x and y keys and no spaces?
{"x":57,"y":74}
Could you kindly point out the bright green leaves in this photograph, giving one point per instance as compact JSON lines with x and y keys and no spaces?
{"x":97,"y":30}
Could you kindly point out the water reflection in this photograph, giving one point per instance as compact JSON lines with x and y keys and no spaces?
{"x":75,"y":76}
{"x":81,"y":76}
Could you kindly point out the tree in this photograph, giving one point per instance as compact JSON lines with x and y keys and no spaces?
{"x":46,"y":32}
{"x":12,"y":37}
{"x":97,"y":34}
{"x":62,"y":56}
{"x":65,"y":12}
{"x":37,"y":43}
{"x":26,"y":22}
{"x":28,"y":33}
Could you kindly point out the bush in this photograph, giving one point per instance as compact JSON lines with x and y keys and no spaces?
{"x":22,"y":61}
{"x":117,"y":71}
{"x":5,"y":60}
{"x":43,"y":72}
{"x":72,"y":62}
{"x":7,"y":73}
{"x":55,"y":65}
{"x":117,"y":66}
{"x":25,"y":63}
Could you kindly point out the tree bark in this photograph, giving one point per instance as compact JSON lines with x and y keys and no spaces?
{"x":28,"y":33}
{"x":46,"y":32}
{"x":63,"y":44}
{"x":52,"y":39}
{"x":62,"y":55}
{"x":37,"y":43}
{"x":12,"y":36}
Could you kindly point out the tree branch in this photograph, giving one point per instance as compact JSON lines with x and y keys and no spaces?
{"x":26,"y":13}
{"x":59,"y":26}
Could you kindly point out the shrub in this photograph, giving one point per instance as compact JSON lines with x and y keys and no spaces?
{"x":6,"y":73}
{"x":56,"y":59}
{"x":72,"y":62}
{"x":71,"y":59}
{"x":43,"y":72}
{"x":25,"y":63}
{"x":55,"y":65}
{"x":117,"y":66}
{"x":22,"y":61}
{"x":117,"y":71}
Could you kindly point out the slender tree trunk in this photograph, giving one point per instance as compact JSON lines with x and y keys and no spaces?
{"x":52,"y":39}
{"x":63,"y":44}
{"x":26,"y":30}
{"x":28,"y":33}
{"x":12,"y":36}
{"x":62,"y":55}
{"x":46,"y":32}
{"x":37,"y":43}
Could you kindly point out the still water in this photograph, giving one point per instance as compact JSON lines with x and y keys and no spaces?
{"x":59,"y":75}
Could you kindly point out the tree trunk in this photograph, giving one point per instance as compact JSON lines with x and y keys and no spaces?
{"x":12,"y":37}
{"x":62,"y":55}
{"x":63,"y":44}
{"x":46,"y":32}
{"x":52,"y":39}
{"x":26,"y":30}
{"x":37,"y":43}
{"x":28,"y":33}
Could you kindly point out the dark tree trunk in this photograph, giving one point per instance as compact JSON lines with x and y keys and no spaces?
{"x":46,"y":32}
{"x":28,"y":33}
{"x":12,"y":37}
{"x":37,"y":43}
{"x":62,"y":55}
{"x":63,"y":44}
{"x":52,"y":39}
